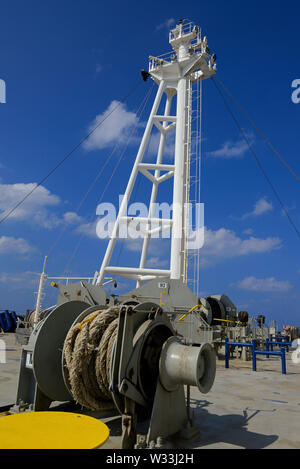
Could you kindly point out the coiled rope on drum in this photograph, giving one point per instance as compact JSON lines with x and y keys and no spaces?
{"x":87,"y":354}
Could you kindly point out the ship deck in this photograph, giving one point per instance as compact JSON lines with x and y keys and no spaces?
{"x":243,"y":410}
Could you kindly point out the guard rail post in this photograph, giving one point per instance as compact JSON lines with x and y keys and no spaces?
{"x":226,"y":354}
{"x":283,"y":362}
{"x":254,"y":355}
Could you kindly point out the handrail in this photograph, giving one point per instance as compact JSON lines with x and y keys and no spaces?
{"x":255,"y":352}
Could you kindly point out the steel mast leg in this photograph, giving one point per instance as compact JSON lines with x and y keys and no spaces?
{"x":131,"y":182}
{"x":160,"y":154}
{"x":177,"y":246}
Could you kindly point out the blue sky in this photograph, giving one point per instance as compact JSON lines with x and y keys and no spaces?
{"x":65,"y":63}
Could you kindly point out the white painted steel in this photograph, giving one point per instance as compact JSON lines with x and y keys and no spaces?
{"x":177,"y":246}
{"x":174,"y":73}
{"x":130,"y":186}
{"x":38,"y":305}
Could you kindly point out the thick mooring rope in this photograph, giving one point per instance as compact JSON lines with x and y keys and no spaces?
{"x":87,"y":353}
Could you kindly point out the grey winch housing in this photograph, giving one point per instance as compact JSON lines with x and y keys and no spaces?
{"x":153,"y":357}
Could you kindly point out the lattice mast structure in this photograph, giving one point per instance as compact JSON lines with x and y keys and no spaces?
{"x":175,"y":73}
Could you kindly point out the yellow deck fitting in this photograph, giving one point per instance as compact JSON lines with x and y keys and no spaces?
{"x":51,"y":430}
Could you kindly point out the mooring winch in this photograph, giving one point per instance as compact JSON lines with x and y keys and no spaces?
{"x":124,"y":357}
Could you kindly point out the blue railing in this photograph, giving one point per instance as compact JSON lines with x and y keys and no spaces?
{"x":255,"y":352}
{"x":278,"y":341}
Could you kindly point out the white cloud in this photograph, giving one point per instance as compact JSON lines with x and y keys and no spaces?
{"x":35,"y":208}
{"x":219,"y":246}
{"x":225,"y":244}
{"x":20,"y":280}
{"x":114,"y":129}
{"x":88,"y":229}
{"x":261,"y":207}
{"x":157,"y":263}
{"x":71,"y":218}
{"x":263,"y":285}
{"x":10,"y":245}
{"x":167,"y":24}
{"x":232,"y":149}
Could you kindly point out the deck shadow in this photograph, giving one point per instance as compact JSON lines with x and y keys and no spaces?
{"x":228,"y":429}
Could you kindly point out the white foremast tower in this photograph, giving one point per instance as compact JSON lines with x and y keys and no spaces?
{"x":175,"y":73}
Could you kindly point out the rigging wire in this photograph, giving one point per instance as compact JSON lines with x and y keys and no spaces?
{"x":256,"y":159}
{"x":140,"y":112}
{"x":137,"y":186}
{"x":118,"y":144}
{"x":136,"y":189}
{"x":258,"y":130}
{"x":68,"y":155}
{"x":85,"y":197}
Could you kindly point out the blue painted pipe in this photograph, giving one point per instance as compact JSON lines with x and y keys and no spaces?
{"x":5,"y":323}
{"x":2,"y":322}
{"x":283,"y":362}
{"x":237,"y":344}
{"x":274,"y":354}
{"x":233,"y":344}
{"x":14,"y":316}
{"x":268,"y":346}
{"x":276,"y":339}
{"x":254,"y":344}
{"x":284,"y":344}
{"x":226,"y":354}
{"x":256,"y":352}
{"x":264,"y":352}
{"x":8,"y":321}
{"x":14,"y":321}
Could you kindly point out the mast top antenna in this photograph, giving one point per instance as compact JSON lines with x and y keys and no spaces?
{"x":190,"y":55}
{"x":184,"y":37}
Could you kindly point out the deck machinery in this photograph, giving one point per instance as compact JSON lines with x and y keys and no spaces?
{"x":135,"y":352}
